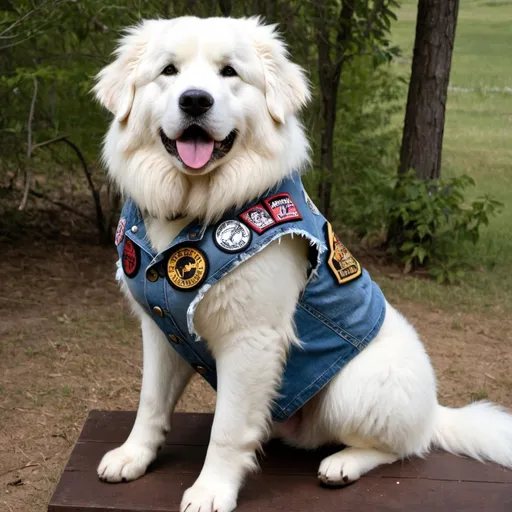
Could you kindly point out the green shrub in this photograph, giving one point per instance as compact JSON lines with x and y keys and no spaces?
{"x":430,"y":222}
{"x":422,"y":224}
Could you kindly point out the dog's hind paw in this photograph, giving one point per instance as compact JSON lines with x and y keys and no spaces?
{"x":346,"y":466}
{"x":125,"y":463}
{"x":338,"y":470}
{"x":206,"y":498}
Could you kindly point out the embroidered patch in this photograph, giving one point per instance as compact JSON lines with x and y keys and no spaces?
{"x":282,"y":208}
{"x":310,"y":204}
{"x":120,"y":231}
{"x":257,"y":218}
{"x":130,"y":258}
{"x":232,"y":236}
{"x":343,"y":265}
{"x":187,"y":268}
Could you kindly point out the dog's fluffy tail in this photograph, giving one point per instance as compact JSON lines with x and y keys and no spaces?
{"x":481,"y":430}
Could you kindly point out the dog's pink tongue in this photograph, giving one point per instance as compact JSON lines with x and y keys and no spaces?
{"x":195,"y":153}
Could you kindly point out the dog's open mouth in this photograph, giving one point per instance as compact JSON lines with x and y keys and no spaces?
{"x":196,"y":148}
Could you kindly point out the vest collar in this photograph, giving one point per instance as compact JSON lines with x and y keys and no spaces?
{"x":193,"y":232}
{"x":136,"y":231}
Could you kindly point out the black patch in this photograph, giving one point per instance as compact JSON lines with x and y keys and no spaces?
{"x":130,"y":258}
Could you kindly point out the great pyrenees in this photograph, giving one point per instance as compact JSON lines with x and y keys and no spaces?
{"x":235,"y":274}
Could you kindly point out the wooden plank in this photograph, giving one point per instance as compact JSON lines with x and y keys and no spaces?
{"x":115,"y":426}
{"x":158,"y":492}
{"x":280,"y":459}
{"x":194,"y":430}
{"x":287,"y":482}
{"x":171,"y":459}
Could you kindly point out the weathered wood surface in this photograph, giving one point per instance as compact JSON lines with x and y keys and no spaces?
{"x":287,"y":481}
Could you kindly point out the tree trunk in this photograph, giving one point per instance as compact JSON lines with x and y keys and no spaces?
{"x":329,"y":107}
{"x":329,"y":74}
{"x":225,"y":7}
{"x":422,"y":139}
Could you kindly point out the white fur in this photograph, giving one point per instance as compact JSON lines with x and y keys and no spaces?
{"x":383,"y":403}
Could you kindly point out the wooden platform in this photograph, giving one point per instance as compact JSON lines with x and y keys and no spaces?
{"x":287,"y":482}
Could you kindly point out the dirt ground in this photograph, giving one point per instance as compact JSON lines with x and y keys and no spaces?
{"x":68,"y":345}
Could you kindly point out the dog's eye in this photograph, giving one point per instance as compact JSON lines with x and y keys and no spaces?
{"x":170,"y":70}
{"x":228,"y":71}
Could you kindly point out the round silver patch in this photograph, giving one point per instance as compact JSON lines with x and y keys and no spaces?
{"x":232,"y":236}
{"x":310,"y":204}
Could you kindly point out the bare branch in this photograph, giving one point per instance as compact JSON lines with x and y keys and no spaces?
{"x":100,"y":218}
{"x":60,"y":204}
{"x":21,"y":41}
{"x":28,"y":182}
{"x":31,"y":118}
{"x":51,"y":141}
{"x":35,"y":30}
{"x":81,"y":157}
{"x":97,"y":58}
{"x":17,"y":22}
{"x":28,"y":175}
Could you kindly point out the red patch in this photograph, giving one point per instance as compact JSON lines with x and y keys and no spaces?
{"x":120,"y":231}
{"x":131,"y":258}
{"x":282,"y":208}
{"x":257,"y":218}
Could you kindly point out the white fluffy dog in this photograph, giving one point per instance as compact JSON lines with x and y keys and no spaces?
{"x":383,"y":403}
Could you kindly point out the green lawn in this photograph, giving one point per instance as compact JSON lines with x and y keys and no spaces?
{"x":478,"y":142}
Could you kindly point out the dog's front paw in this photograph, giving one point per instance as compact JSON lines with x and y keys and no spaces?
{"x":208,"y":498}
{"x":127,"y":462}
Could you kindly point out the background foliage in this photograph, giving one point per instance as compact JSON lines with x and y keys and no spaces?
{"x":50,"y":51}
{"x":68,"y":342}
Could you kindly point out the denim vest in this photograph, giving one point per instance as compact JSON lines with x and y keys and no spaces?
{"x":339,"y":312}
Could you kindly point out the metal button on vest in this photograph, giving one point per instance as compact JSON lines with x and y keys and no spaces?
{"x":158,"y":311}
{"x":193,"y":235}
{"x":134,"y":229}
{"x":200,"y":369}
{"x":175,"y":339}
{"x":152,"y":275}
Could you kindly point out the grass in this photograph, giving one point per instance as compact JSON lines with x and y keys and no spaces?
{"x":477,"y":141}
{"x":481,"y":394}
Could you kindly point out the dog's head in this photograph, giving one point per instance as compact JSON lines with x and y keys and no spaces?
{"x":195,"y":93}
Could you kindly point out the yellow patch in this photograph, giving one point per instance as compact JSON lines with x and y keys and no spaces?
{"x":343,"y":265}
{"x":187,"y":268}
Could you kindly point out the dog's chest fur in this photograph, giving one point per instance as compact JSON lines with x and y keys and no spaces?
{"x":263,"y":290}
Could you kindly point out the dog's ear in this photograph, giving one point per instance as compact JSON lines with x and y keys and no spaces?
{"x":286,"y":85}
{"x":115,"y":83}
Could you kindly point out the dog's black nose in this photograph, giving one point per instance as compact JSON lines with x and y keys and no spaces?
{"x":196,"y":102}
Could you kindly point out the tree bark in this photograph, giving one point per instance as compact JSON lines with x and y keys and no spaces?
{"x":225,"y":7}
{"x":329,"y":74}
{"x":422,"y":140}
